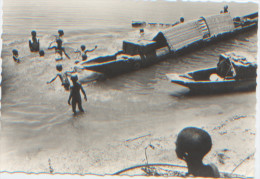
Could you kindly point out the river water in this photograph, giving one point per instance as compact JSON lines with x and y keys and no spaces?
{"x":37,"y":123}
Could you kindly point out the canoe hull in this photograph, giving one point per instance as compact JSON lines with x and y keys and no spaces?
{"x":114,"y":67}
{"x":208,"y":86}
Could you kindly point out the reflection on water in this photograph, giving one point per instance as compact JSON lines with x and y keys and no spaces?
{"x":37,"y":123}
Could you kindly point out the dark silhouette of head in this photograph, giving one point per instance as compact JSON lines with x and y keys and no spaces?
{"x":226,"y":7}
{"x":33,"y":33}
{"x":41,"y":52}
{"x":59,"y":67}
{"x":15,"y":52}
{"x":141,"y":30}
{"x":238,"y":19}
{"x":83,"y":47}
{"x":182,"y":19}
{"x":74,"y":78}
{"x":60,"y":32}
{"x":193,"y":143}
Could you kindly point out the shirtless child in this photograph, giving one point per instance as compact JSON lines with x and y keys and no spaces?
{"x":63,"y":77}
{"x":34,"y":44}
{"x":84,"y":52}
{"x":60,"y":36}
{"x":75,"y":94}
{"x":192,"y":145}
{"x":59,"y":49}
{"x":61,"y":33}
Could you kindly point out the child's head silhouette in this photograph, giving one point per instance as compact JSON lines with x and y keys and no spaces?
{"x":59,"y":67}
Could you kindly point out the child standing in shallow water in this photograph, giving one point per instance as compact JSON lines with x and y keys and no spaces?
{"x":59,"y":49}
{"x":34,"y":44}
{"x":75,"y":94}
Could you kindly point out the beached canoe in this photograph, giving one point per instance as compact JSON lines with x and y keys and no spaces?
{"x":233,"y":73}
{"x":173,"y":41}
{"x":112,"y":64}
{"x":199,"y":81}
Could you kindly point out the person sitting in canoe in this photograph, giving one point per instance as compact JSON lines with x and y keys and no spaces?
{"x":83,"y":52}
{"x":192,"y":145}
{"x":225,"y":68}
{"x":15,"y":56}
{"x":59,"y":50}
{"x":178,"y":22}
{"x":141,"y":33}
{"x":226,"y":9}
{"x":63,"y":77}
{"x":34,"y":44}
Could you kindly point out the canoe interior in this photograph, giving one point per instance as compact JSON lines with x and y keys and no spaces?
{"x":202,"y":75}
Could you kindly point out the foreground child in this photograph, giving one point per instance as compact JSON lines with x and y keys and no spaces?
{"x":75,"y":94}
{"x":191,"y":146}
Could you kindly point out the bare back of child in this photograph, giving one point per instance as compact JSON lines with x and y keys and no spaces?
{"x":63,"y":78}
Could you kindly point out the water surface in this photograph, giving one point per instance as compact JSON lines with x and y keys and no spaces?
{"x":37,"y":123}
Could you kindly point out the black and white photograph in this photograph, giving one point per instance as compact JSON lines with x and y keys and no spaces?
{"x":129,"y":88}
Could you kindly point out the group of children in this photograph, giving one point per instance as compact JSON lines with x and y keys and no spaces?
{"x":34,"y":46}
{"x":192,"y":143}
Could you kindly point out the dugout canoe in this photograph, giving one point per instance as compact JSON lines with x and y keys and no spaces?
{"x":234,"y":72}
{"x":173,"y":41}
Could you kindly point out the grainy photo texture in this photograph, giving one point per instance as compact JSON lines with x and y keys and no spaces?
{"x":137,"y":88}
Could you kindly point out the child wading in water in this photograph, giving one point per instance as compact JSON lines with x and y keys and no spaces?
{"x":16,"y":56}
{"x":63,"y":77}
{"x":84,"y":52}
{"x":61,"y":34}
{"x":34,"y":44}
{"x":59,"y":49}
{"x":75,"y":94}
